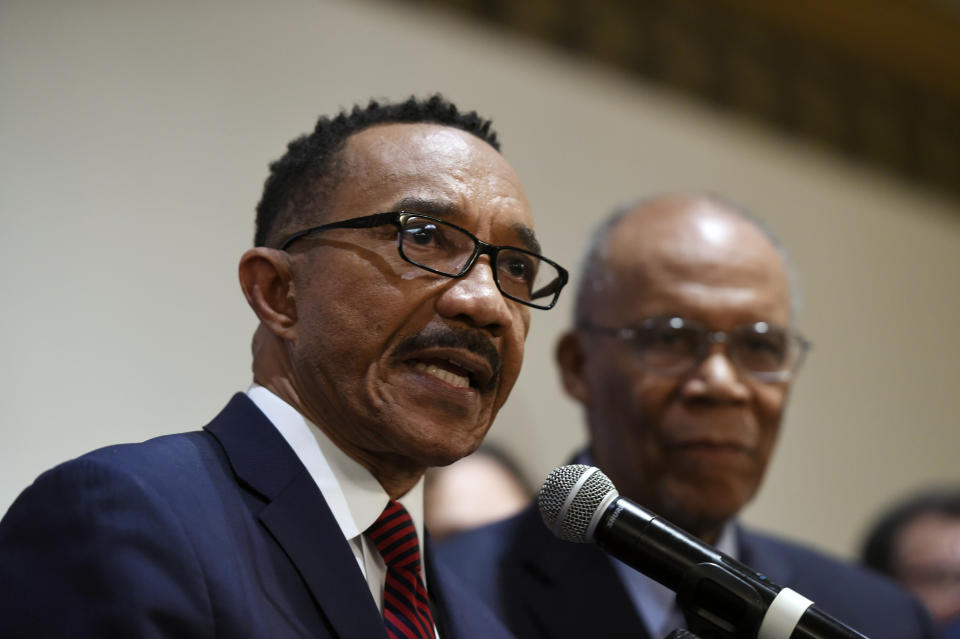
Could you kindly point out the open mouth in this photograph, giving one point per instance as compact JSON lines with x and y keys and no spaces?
{"x":447,"y":371}
{"x":460,"y":358}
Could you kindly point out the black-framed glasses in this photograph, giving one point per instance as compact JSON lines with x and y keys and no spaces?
{"x":446,"y":249}
{"x":675,"y":346}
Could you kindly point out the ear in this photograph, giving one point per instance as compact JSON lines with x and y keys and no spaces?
{"x":570,"y":358}
{"x":267,"y":283}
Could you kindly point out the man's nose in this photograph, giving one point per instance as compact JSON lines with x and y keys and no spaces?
{"x":716,"y":377}
{"x":476,"y":298}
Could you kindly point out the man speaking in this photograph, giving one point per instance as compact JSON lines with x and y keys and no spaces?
{"x":393,"y":273}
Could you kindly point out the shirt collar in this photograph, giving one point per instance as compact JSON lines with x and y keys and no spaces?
{"x":352,"y":493}
{"x":656,"y":603}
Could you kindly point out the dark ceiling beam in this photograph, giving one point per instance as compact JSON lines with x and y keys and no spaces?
{"x":878,"y":80}
{"x":917,"y":41}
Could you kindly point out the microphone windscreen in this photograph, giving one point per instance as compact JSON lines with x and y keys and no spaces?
{"x":572,"y":499}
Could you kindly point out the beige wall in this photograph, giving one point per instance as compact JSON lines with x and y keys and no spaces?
{"x":134,"y":139}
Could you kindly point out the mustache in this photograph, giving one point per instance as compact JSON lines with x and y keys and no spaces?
{"x":447,"y":337}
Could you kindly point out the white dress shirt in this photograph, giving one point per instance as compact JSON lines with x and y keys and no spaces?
{"x":657,"y":604}
{"x":354,"y":496}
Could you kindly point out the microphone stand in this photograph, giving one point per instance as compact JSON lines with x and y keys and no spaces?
{"x":708,"y":588}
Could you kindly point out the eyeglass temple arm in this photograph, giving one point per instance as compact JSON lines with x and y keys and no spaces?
{"x":367,"y":222}
{"x":377,"y":219}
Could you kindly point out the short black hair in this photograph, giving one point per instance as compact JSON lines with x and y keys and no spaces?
{"x":300,"y":180}
{"x":879,"y":546}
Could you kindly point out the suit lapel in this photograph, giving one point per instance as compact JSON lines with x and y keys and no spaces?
{"x":298,"y":517}
{"x":438,"y":605}
{"x":302,"y":523}
{"x":572,"y":590}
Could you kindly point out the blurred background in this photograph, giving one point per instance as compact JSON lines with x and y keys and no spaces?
{"x":135,"y":138}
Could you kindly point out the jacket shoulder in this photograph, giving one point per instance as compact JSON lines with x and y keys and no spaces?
{"x":478,"y":554}
{"x":860,"y":598}
{"x":110,"y":517}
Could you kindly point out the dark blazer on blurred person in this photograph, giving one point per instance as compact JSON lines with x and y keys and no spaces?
{"x":544,"y":587}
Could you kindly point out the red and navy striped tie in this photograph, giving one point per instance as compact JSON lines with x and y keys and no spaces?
{"x":406,"y":610}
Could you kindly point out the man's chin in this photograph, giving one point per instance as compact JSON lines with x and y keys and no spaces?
{"x":442,"y":445}
{"x":703,"y":524}
{"x":700,"y":510}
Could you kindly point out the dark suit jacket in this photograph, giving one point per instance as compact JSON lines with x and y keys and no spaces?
{"x":542,"y":586}
{"x":215,"y":533}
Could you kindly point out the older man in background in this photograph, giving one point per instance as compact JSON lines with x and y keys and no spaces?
{"x":682,"y":356}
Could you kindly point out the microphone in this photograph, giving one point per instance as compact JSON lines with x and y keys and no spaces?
{"x":720,"y":596}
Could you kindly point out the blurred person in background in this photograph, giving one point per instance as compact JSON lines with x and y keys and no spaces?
{"x":917,"y":542}
{"x":483,"y":487}
{"x":682,"y":354}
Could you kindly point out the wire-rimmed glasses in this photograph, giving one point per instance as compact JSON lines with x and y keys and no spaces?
{"x":675,"y":346}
